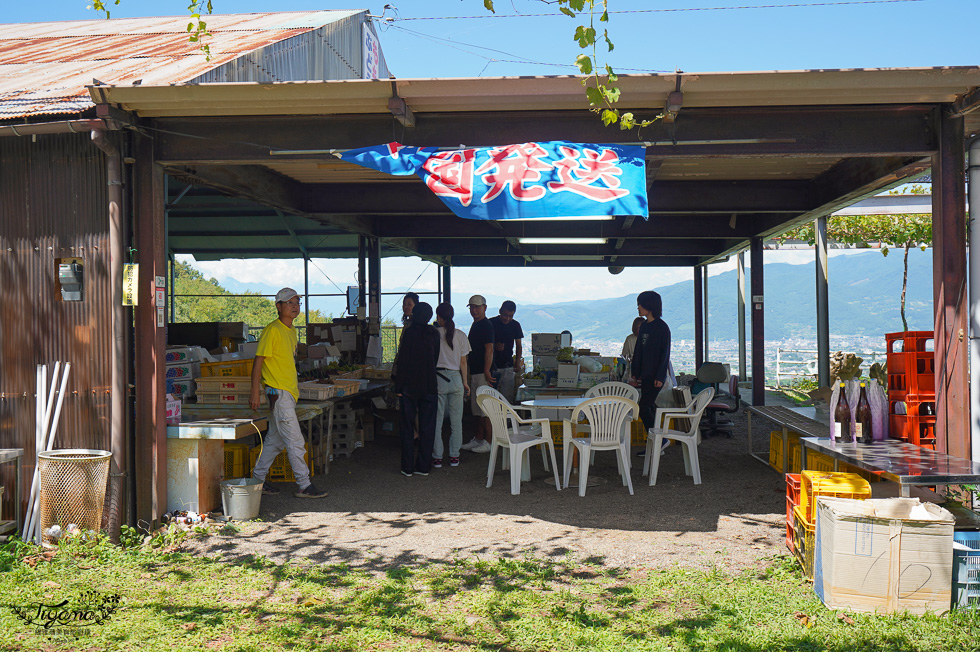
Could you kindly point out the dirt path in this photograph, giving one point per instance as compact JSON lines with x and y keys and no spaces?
{"x":375,"y":518}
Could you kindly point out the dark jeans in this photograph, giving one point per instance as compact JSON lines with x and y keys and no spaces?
{"x":648,"y":403}
{"x":425,"y":408}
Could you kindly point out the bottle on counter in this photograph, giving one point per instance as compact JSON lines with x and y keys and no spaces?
{"x":842,"y":418}
{"x":862,"y":424}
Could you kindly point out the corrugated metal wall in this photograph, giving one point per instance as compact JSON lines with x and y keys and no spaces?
{"x":333,"y":51}
{"x":52,"y":205}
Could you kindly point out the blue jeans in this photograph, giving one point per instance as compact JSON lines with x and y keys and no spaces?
{"x":451,"y":402}
{"x":424,"y":407}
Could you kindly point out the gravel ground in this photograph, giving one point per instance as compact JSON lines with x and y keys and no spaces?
{"x":375,"y":518}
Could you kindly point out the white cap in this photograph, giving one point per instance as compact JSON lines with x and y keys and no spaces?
{"x":477,"y":300}
{"x":285,"y":294}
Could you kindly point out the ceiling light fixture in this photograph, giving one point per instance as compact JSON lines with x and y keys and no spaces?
{"x":561,"y":241}
{"x":574,"y":218}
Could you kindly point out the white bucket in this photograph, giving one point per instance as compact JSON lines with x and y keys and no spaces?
{"x":241,"y":498}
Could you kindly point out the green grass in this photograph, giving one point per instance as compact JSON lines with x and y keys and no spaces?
{"x":176,"y":601}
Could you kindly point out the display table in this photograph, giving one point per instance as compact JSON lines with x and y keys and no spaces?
{"x":196,"y":459}
{"x":898,"y":461}
{"x":566,"y":404}
{"x":788,"y":419}
{"x":13,"y":455}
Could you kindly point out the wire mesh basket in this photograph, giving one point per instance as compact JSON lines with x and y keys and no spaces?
{"x":73,"y":487}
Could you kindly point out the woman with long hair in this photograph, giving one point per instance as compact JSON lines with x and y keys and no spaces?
{"x":414,"y":383}
{"x":452,"y":377}
{"x":651,"y":356}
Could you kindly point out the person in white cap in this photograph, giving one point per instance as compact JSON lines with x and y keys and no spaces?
{"x":480,"y":363}
{"x":275,"y":365}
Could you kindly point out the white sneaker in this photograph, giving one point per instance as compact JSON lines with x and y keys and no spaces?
{"x":471,"y":444}
{"x":482,"y":447}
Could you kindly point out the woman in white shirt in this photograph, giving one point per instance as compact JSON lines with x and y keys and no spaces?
{"x":452,"y":378}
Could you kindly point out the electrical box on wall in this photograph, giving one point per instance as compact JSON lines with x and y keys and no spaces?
{"x":70,"y":275}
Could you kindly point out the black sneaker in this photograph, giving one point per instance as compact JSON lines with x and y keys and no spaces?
{"x":421,"y":473}
{"x":270,"y":490}
{"x":406,"y":474}
{"x":311,"y":492}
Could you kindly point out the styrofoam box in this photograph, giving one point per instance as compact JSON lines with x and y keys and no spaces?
{"x":546,"y":361}
{"x":567,"y":375}
{"x":185,"y":354}
{"x":883,"y":555}
{"x":182,"y":387}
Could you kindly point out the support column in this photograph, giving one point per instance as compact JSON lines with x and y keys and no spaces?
{"x":974,"y":267}
{"x":823,"y":303}
{"x":698,"y":317}
{"x":707,"y":318}
{"x":374,"y":285}
{"x":758,"y":324}
{"x":150,"y":345}
{"x":362,"y":274}
{"x":743,"y":371}
{"x":949,"y":289}
{"x":306,"y":287}
{"x":447,"y":295}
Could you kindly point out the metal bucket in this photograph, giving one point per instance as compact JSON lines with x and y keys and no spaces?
{"x":241,"y":498}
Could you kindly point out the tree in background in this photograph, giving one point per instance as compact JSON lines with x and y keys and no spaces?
{"x":198,"y":299}
{"x":882,"y":231}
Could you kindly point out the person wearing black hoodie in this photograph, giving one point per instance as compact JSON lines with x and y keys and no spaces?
{"x":651,"y":355}
{"x":415,"y":383}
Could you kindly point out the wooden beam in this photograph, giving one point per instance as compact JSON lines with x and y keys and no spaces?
{"x":891,"y":130}
{"x":665,"y":197}
{"x":631,"y":247}
{"x":966,"y":103}
{"x":625,"y":261}
{"x":949,"y":291}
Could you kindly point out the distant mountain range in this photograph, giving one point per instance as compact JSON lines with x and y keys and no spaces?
{"x":864,"y":300}
{"x":864,"y":292}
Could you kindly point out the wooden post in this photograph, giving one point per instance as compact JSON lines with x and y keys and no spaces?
{"x":949,"y":289}
{"x":758,"y":324}
{"x":151,"y":339}
{"x":447,"y":294}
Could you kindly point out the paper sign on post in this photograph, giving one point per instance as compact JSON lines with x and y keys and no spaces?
{"x":131,"y":276}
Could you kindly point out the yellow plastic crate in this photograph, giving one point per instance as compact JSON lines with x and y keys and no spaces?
{"x":836,"y":485}
{"x":803,"y":541}
{"x":638,"y":433}
{"x":776,"y":451}
{"x":819,"y":462}
{"x":228,"y":368}
{"x":236,"y":457}
{"x":281,"y":470}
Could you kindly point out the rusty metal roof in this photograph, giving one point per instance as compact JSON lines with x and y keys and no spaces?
{"x":45,"y":67}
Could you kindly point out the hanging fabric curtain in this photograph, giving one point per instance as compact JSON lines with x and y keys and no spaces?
{"x":546,"y":179}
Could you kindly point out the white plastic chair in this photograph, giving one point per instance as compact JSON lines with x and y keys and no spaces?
{"x":535,"y":428}
{"x":607,"y":417}
{"x":508,"y":433}
{"x":689,"y":438}
{"x":613,"y":388}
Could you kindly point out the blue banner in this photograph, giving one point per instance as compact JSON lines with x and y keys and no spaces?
{"x":542,"y":179}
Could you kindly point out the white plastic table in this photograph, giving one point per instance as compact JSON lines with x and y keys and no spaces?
{"x":562,"y":403}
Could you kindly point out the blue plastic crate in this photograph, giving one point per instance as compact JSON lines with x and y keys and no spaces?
{"x":966,"y":571}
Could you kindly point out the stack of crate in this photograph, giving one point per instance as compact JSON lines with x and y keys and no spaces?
{"x":226,"y":390}
{"x":912,"y":382}
{"x":814,"y":484}
{"x":346,"y":434}
{"x":792,"y":500}
{"x":281,"y":469}
{"x":236,"y":460}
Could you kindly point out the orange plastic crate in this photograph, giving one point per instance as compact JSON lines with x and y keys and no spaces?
{"x":792,"y":500}
{"x":908,"y":341}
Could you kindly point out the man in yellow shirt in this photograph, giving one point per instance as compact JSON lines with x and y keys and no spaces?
{"x":275,"y":365}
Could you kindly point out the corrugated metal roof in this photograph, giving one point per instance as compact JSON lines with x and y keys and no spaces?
{"x":46,"y":66}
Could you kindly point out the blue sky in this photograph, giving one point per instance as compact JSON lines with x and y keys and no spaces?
{"x":426,"y":41}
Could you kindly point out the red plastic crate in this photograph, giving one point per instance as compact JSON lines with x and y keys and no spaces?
{"x":908,"y":341}
{"x":792,"y":500}
{"x":919,"y":430}
{"x":912,"y":372}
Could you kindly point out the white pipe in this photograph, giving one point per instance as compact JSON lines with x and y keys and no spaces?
{"x":973,"y":273}
{"x":42,"y":390}
{"x":37,"y":447}
{"x":49,"y":443}
{"x":46,"y":423}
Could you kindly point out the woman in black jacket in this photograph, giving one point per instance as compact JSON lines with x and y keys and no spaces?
{"x":415,"y":383}
{"x":651,"y":355}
